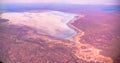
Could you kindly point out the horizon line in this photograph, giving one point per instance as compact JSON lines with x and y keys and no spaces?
{"x":55,"y":3}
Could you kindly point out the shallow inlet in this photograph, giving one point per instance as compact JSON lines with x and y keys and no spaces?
{"x":51,"y":23}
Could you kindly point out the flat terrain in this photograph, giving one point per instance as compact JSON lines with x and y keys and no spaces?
{"x":97,"y":40}
{"x":101,"y":30}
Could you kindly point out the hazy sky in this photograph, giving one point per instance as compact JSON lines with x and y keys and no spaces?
{"x":64,"y":1}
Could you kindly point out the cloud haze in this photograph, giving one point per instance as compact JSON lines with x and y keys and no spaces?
{"x":64,"y":1}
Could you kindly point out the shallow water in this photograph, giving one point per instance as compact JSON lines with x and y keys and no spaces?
{"x":111,"y":8}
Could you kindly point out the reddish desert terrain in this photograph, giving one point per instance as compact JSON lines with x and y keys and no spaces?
{"x":96,"y":41}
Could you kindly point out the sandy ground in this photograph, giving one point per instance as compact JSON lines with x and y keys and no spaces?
{"x":23,"y":45}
